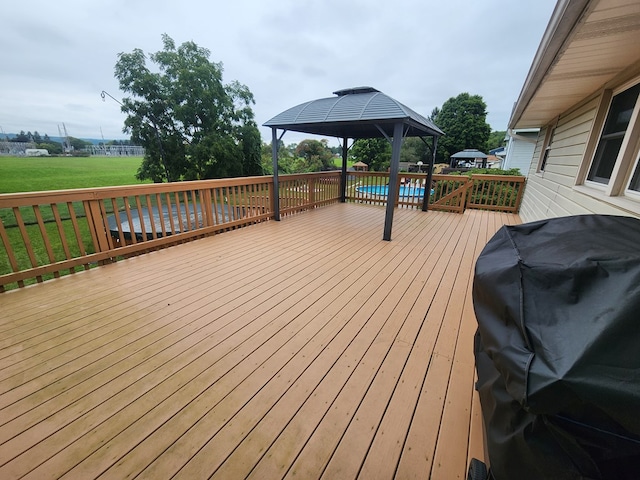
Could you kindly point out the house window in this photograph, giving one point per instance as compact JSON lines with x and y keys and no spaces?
{"x":634,"y":184}
{"x":546,"y":146}
{"x":543,"y":163}
{"x":615,"y":128}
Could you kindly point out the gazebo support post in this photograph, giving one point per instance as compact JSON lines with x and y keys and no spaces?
{"x":427,"y":187}
{"x":343,"y":181}
{"x":392,"y":193}
{"x":276,"y":190}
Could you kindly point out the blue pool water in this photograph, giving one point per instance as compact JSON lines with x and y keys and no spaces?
{"x":383,"y":190}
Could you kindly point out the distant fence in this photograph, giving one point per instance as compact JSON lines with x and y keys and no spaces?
{"x":116,"y":150}
{"x":15,"y":148}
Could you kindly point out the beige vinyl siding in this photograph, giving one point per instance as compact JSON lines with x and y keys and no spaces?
{"x":551,"y":193}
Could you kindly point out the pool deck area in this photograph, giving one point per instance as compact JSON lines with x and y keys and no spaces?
{"x":306,"y":348}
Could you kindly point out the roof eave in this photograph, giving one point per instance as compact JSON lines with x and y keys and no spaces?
{"x":566,"y":15}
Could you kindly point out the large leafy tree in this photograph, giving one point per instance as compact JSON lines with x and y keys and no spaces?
{"x":316,"y":155}
{"x":191,"y":125}
{"x":415,"y":150}
{"x":287,"y":160}
{"x":463,"y":119}
{"x":375,"y":152}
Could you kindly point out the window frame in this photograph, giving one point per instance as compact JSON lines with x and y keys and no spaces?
{"x":546,"y":146}
{"x":627,"y":158}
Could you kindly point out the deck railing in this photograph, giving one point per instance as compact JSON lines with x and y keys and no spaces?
{"x":452,"y":193}
{"x":47,"y":234}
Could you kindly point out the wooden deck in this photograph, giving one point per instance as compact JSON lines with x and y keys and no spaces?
{"x":305,"y":348}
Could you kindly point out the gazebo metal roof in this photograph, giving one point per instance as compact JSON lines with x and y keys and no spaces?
{"x":359,"y":112}
{"x":469,"y":153}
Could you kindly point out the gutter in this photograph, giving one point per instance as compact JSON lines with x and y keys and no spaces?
{"x":517,"y":136}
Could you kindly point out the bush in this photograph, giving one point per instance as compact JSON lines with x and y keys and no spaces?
{"x":489,"y":171}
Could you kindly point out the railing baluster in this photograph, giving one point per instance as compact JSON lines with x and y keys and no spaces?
{"x":143,"y":223}
{"x":127,"y":209}
{"x":172,"y":225}
{"x":76,"y":230}
{"x":152,"y":220}
{"x":10,"y":254}
{"x":26,"y":240}
{"x":61,"y":233}
{"x":116,"y":217}
{"x":45,"y":237}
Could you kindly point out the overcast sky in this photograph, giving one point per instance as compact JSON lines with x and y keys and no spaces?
{"x":58,"y":56}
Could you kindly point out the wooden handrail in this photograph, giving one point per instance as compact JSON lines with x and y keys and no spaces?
{"x":52,"y":232}
{"x":46,"y":234}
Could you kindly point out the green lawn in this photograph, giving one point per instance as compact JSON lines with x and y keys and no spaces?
{"x":28,"y":174}
{"x":32,"y":174}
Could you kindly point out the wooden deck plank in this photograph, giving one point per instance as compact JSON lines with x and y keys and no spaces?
{"x":285,"y":349}
{"x":364,"y":422}
{"x":305,"y":297}
{"x":457,"y":410}
{"x":417,"y":456}
{"x":283,"y":451}
{"x":297,"y":380}
{"x":388,"y":445}
{"x":148,"y":379}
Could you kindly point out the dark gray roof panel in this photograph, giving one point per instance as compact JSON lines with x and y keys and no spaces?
{"x":469,"y":153}
{"x":339,"y":116}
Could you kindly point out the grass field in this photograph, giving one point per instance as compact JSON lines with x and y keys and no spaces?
{"x":33,"y":174}
{"x":29,"y":174}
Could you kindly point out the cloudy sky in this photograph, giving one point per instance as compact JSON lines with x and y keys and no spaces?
{"x":58,"y":56}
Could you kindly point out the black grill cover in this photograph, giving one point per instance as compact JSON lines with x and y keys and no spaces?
{"x":558,"y":348}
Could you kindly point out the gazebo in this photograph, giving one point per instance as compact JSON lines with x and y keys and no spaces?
{"x":471,"y":155}
{"x":354,"y":113}
{"x":360,"y":167}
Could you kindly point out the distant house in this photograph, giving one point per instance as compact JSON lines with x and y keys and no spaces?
{"x":494,"y":161}
{"x":582,"y":92}
{"x":469,"y":157}
{"x":360,"y":167}
{"x":520,"y":149}
{"x":499,"y":152}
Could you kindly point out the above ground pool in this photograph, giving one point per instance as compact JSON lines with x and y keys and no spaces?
{"x":383,"y":190}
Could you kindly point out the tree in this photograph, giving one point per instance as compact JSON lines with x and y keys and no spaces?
{"x":251,"y":144}
{"x":54,"y":148}
{"x":316,"y":155}
{"x":286,"y":158}
{"x":463,"y":120}
{"x":496,"y":139}
{"x":22,"y":137}
{"x":375,"y":152}
{"x":414,"y":150}
{"x":78,"y":144}
{"x":191,"y":125}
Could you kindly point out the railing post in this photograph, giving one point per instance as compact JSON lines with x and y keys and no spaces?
{"x":275,"y":199}
{"x":521,"y":185}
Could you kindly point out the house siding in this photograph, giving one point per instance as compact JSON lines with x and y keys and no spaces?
{"x":520,"y":152}
{"x":552,"y":193}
